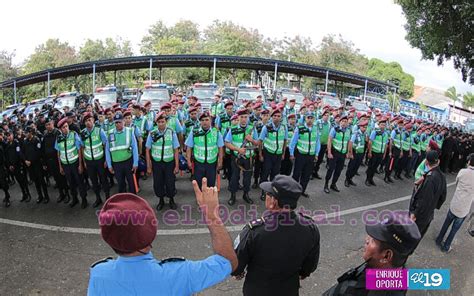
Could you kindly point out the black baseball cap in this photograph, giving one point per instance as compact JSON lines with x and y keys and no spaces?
{"x":285,"y":189}
{"x":432,"y":156}
{"x":402,"y":236}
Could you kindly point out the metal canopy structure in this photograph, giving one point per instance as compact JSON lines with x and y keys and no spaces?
{"x":203,"y":61}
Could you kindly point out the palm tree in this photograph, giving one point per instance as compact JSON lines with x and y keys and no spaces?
{"x":453,"y":95}
{"x":468,"y":100}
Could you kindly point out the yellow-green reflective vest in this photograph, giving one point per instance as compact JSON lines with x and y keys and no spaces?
{"x":406,"y":141}
{"x":120,"y":144}
{"x":380,"y":141}
{"x":307,"y":140}
{"x":238,"y":138}
{"x":341,"y":140}
{"x":68,"y":153}
{"x":205,"y":148}
{"x":162,"y":145}
{"x":93,"y":146}
{"x":274,"y":140}
{"x":359,"y":142}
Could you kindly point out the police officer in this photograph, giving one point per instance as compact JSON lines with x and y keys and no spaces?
{"x":238,"y":139}
{"x":377,"y":148}
{"x":406,"y":151}
{"x":51,"y":160}
{"x":162,"y":158}
{"x":136,"y":265}
{"x":3,"y":177}
{"x":287,"y":164}
{"x":15,"y":165}
{"x":387,"y":246}
{"x":205,"y":146}
{"x":356,"y":152}
{"x":273,"y":140}
{"x":32,"y":156}
{"x":338,"y":141}
{"x":93,"y":143}
{"x":396,"y":148}
{"x":258,"y":165}
{"x":121,"y":154}
{"x":223,"y":123}
{"x":68,"y":144}
{"x":280,"y":248}
{"x":306,"y":142}
{"x":324,"y":126}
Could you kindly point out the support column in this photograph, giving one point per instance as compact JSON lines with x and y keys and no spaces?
{"x":49,"y":84}
{"x":327,"y":80}
{"x":151,"y":67}
{"x":93,"y":78}
{"x":365,"y":91}
{"x":14,"y":91}
{"x":161,"y":80}
{"x":275,"y":78}
{"x":214,"y":71}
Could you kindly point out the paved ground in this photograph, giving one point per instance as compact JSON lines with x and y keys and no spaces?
{"x":47,"y":249}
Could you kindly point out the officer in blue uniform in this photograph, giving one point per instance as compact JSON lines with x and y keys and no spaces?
{"x":137,"y":272}
{"x":124,"y":168}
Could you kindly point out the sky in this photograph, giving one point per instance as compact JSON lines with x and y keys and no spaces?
{"x":374,"y":26}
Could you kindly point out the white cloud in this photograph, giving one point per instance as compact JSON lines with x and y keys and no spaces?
{"x":375,"y":26}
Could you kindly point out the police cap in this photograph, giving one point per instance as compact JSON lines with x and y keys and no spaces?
{"x":285,"y":189}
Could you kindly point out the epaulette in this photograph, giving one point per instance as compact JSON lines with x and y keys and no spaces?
{"x":172,"y":259}
{"x":255,"y":223}
{"x":101,"y":261}
{"x":306,"y":216}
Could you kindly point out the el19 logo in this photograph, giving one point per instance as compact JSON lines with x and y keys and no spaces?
{"x":429,"y":279}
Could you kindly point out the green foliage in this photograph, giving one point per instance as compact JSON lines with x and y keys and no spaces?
{"x":393,"y":73}
{"x":452,"y":94}
{"x":468,"y":100}
{"x":443,"y":30}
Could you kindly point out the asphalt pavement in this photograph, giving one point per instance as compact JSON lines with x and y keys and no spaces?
{"x":48,"y":249}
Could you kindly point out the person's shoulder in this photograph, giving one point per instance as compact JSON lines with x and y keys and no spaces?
{"x":102,"y":265}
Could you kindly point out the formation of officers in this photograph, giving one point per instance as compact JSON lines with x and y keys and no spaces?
{"x":94,"y":148}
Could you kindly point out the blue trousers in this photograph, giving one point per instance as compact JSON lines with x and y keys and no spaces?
{"x":124,"y":174}
{"x":450,"y":219}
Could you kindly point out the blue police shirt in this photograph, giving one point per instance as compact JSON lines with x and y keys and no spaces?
{"x":149,"y":140}
{"x":144,"y":275}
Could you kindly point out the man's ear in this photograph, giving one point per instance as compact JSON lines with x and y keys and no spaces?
{"x":388,"y":255}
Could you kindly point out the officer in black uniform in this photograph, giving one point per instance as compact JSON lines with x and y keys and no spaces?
{"x":15,"y":165}
{"x":280,"y":248}
{"x":3,"y":177}
{"x":51,"y":160}
{"x":32,"y":155}
{"x":387,"y":246}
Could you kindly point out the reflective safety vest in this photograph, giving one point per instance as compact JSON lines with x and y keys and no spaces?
{"x":190,"y":124}
{"x":224,"y":121}
{"x":216,"y":108}
{"x":416,"y":142}
{"x":307,"y":140}
{"x":162,"y":145}
{"x":172,"y":122}
{"x":140,"y":123}
{"x":238,"y":139}
{"x":150,"y":117}
{"x":68,"y":153}
{"x":341,"y":140}
{"x":425,"y":141}
{"x":291,"y":132}
{"x":406,"y":141}
{"x":108,"y":127}
{"x":274,"y":140}
{"x":93,"y":146}
{"x":398,"y":139}
{"x":205,"y":148}
{"x":120,"y":144}
{"x":359,"y":142}
{"x":323,"y":131}
{"x":380,"y":141}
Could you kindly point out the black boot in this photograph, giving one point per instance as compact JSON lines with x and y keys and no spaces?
{"x":346,"y":183}
{"x":67,"y":199}
{"x":6,"y":200}
{"x":74,"y":202}
{"x":352,"y":183}
{"x":317,"y":176}
{"x":389,"y":179}
{"x":39,"y":199}
{"x":334,"y":187}
{"x":231,"y":201}
{"x":160,"y":205}
{"x":255,"y":184}
{"x":173,"y":205}
{"x":367,"y":183}
{"x":247,"y":198}
{"x":372,"y":182}
{"x":28,"y":197}
{"x":61,"y":197}
{"x":262,"y":196}
{"x":304,"y":194}
{"x":326,"y":187}
{"x":46,"y":199}
{"x":24,"y":197}
{"x":84,"y":203}
{"x":98,"y":201}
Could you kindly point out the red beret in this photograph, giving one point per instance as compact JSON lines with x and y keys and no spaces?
{"x":160,"y":115}
{"x":343,"y":117}
{"x":166,"y":105}
{"x":352,"y":109}
{"x":292,"y":115}
{"x":62,"y":122}
{"x":86,"y":116}
{"x":383,"y":119}
{"x":433,"y":145}
{"x":192,"y":109}
{"x":173,"y":101}
{"x":125,"y":235}
{"x":228,"y":103}
{"x":197,"y":105}
{"x":136,"y":106}
{"x":408,"y":126}
{"x":257,"y":105}
{"x":192,"y":98}
{"x":108,"y":110}
{"x":363,"y":123}
{"x":204,"y":115}
{"x":181,"y":102}
{"x":115,"y":105}
{"x":127,"y":113}
{"x":117,"y":109}
{"x":292,"y":100}
{"x":265,"y":111}
{"x":275,"y":111}
{"x":147,"y":103}
{"x":243,"y":112}
{"x":234,"y":117}
{"x":284,"y":99}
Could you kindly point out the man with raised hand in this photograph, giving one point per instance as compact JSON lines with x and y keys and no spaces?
{"x":136,"y":271}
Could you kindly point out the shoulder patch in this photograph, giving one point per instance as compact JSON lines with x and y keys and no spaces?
{"x":255,"y":223}
{"x":101,"y":261}
{"x":172,"y":259}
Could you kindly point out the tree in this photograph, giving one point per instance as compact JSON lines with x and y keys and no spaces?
{"x":392,"y":72}
{"x":7,"y":69}
{"x":443,"y":30}
{"x":94,"y":50}
{"x":468,"y":100}
{"x":52,"y":54}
